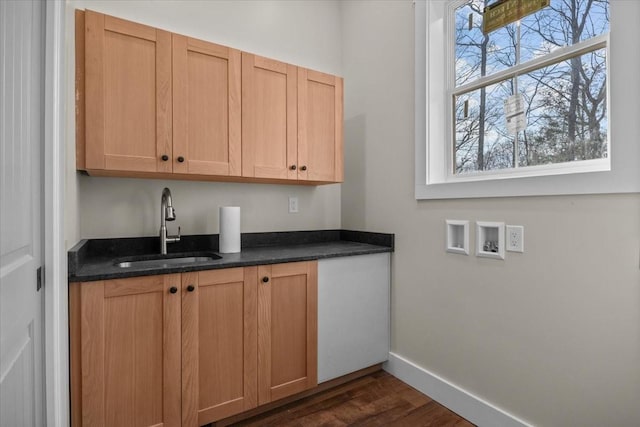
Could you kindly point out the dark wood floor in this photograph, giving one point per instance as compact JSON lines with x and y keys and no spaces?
{"x":378,"y":399}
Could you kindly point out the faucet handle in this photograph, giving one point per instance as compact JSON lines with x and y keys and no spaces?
{"x":174,"y":238}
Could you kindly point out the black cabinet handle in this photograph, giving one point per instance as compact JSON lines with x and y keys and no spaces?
{"x":293,"y":167}
{"x":173,"y":289}
{"x":303,"y":168}
{"x":265,"y":279}
{"x":191,"y":288}
{"x":181,"y":159}
{"x":164,"y":157}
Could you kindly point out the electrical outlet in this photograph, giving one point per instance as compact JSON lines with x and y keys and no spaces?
{"x":515,"y":238}
{"x":293,"y":204}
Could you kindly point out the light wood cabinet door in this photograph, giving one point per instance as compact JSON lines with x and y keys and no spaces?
{"x":206,"y":108}
{"x":151,"y":103}
{"x":219,"y":334}
{"x":269,"y":118}
{"x":320,"y":133}
{"x":130,"y":352}
{"x":128,"y":95}
{"x":287,"y":329}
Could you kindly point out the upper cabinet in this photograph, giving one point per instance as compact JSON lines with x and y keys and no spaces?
{"x":269,"y":124}
{"x":319,"y":126}
{"x":128,"y":95}
{"x":155,"y":104}
{"x":291,"y":122}
{"x":206,"y":108}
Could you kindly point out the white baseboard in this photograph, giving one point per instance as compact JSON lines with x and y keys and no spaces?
{"x":450,"y":395}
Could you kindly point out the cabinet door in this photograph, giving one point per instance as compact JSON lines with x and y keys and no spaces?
{"x":320,"y":146}
{"x":219,"y":334}
{"x":130,"y":352}
{"x":206,"y":108}
{"x":128,"y":95}
{"x":269,"y":123}
{"x":287,"y":329}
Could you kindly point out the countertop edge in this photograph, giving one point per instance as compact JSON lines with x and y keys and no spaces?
{"x":356,"y":243}
{"x":232,"y":264}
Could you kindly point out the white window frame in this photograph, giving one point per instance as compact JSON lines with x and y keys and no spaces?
{"x":618,"y":173}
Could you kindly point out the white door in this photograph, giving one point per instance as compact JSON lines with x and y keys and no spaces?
{"x":22,"y":27}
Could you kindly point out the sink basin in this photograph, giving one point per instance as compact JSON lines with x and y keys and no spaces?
{"x":170,"y":260}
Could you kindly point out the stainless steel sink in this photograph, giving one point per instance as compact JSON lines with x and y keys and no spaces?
{"x":161,"y":261}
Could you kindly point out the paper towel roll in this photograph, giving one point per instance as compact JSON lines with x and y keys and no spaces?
{"x":229,"y":229}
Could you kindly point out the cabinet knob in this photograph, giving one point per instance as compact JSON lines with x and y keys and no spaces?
{"x":191,"y":288}
{"x":164,"y":157}
{"x":293,"y":167}
{"x":303,"y":168}
{"x":265,"y":279}
{"x":181,"y":159}
{"x":173,"y":289}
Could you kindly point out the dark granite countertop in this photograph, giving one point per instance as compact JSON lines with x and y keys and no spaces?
{"x":95,"y":259}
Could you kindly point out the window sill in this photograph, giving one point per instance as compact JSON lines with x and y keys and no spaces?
{"x":584,"y":183}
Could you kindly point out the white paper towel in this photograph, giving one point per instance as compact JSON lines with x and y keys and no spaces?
{"x":229,"y":229}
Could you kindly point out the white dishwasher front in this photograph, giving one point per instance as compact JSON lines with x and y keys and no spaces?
{"x":353,"y":313}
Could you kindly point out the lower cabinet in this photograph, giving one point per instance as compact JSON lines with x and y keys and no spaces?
{"x":219,"y":344}
{"x":125,"y":352}
{"x":287,"y":329}
{"x":192,"y":348}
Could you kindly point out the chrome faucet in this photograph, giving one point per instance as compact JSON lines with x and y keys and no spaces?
{"x":167,"y":213}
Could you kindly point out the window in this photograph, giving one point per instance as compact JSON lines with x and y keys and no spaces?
{"x":532,"y":92}
{"x":524,"y":109}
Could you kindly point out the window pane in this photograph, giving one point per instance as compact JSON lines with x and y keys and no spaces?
{"x":565,"y":118}
{"x":562,"y":23}
{"x":566,"y":112}
{"x":477,"y":54}
{"x":482,"y":141}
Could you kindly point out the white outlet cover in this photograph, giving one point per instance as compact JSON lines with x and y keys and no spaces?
{"x":293,"y":204}
{"x":515,"y":238}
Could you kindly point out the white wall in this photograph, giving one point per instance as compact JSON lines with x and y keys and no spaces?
{"x":302,"y":33}
{"x":551,"y":336}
